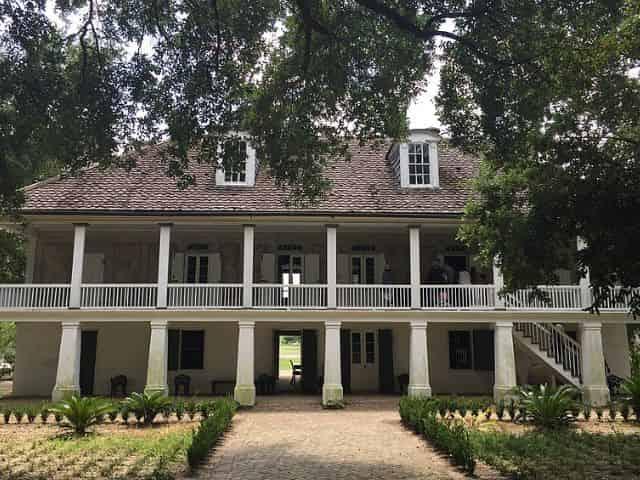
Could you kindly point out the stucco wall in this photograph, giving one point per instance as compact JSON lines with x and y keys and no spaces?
{"x":615,"y":341}
{"x":37,"y":347}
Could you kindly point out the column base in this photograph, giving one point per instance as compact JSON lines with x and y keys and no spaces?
{"x":596,"y":395}
{"x":149,"y":389}
{"x":419,"y":391}
{"x":504,"y":392}
{"x":331,"y":394}
{"x":245,"y":395}
{"x":60,"y":392}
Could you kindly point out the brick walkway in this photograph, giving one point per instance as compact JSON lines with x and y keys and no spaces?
{"x":288,"y":437}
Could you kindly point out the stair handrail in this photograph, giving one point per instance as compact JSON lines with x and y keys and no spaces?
{"x":556,"y":343}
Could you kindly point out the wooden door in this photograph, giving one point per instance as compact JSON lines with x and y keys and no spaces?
{"x":88,"y":347}
{"x":345,"y":359}
{"x":364,"y":361}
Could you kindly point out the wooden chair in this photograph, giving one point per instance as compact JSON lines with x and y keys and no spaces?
{"x":295,"y":370}
{"x":183,"y":381}
{"x":119,"y":382}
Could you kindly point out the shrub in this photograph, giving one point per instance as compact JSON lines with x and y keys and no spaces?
{"x":18,"y":413}
{"x":32,"y":412}
{"x":191,"y":408}
{"x":7,"y":415}
{"x":451,"y":437}
{"x":44,"y":414}
{"x":210,"y":430}
{"x":178,"y":408}
{"x":547,"y":407}
{"x":630,"y":388}
{"x":500,"y":409}
{"x":145,"y":406}
{"x":81,"y":412}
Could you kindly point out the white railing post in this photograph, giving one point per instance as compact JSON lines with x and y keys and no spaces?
{"x":79,"y":237}
{"x":414,"y":265}
{"x":247,"y":265}
{"x":163,"y":264}
{"x":331,"y":266}
{"x":584,"y":282}
{"x":498,"y":282}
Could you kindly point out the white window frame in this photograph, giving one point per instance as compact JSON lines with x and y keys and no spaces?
{"x":430,"y":141}
{"x":250,"y":168}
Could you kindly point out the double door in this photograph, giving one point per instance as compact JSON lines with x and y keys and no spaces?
{"x":364,"y":360}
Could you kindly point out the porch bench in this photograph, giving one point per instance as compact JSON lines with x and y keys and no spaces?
{"x":215,"y":383}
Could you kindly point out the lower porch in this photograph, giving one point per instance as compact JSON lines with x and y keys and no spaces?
{"x":360,"y":358}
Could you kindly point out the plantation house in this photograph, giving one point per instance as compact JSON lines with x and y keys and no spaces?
{"x":128,"y":275}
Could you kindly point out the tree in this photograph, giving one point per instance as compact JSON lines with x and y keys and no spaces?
{"x":557,"y":122}
{"x":541,"y":89}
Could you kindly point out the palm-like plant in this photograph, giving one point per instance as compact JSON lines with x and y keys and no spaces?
{"x":81,"y":412}
{"x":630,"y":391}
{"x":146,"y":406}
{"x":548,"y":407}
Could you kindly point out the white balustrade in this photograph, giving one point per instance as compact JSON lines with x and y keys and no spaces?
{"x":374,"y":296}
{"x":119,"y":295}
{"x":558,"y":297}
{"x":615,"y":303}
{"x":556,"y":343}
{"x":457,"y":297}
{"x":205,"y":295}
{"x":289,"y":296}
{"x":34,"y":296}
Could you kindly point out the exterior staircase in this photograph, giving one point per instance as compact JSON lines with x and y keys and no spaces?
{"x":554,"y":347}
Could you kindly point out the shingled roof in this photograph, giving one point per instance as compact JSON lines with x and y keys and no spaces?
{"x":362,"y":186}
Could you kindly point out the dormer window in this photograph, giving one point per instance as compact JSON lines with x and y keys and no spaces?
{"x":237,"y":170}
{"x":419,"y":164}
{"x":416,"y":162}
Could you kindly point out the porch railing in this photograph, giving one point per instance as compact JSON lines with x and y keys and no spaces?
{"x":119,"y":295}
{"x":457,"y":297}
{"x":34,"y":296}
{"x":373,"y":296}
{"x":204,"y":295}
{"x":557,"y":344}
{"x":613,"y":303}
{"x":558,"y":297}
{"x":289,"y":296}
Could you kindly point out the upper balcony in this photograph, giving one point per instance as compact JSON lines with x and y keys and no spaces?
{"x":269,"y":267}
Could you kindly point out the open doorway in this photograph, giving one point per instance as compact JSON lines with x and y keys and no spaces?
{"x":288,"y":360}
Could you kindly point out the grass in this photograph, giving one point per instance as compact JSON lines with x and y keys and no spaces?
{"x":288,"y":352}
{"x":566,"y":454}
{"x":35,"y":452}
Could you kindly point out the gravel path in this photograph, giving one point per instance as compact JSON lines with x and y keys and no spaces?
{"x":287,"y":438}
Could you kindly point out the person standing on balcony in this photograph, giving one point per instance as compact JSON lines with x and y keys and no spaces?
{"x":388,"y":280}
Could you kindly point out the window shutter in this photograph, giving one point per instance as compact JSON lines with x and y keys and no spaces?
{"x":379,"y":267}
{"x":177,"y":268}
{"x":192,"y":351}
{"x":483,"y":353}
{"x":215,"y":268}
{"x":343,"y":272}
{"x":268,"y":268}
{"x":460,"y":349}
{"x":174,"y":349}
{"x":434,"y":171}
{"x":404,"y":164}
{"x":312,"y":268}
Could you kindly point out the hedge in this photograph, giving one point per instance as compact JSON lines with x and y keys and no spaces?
{"x":210,"y":430}
{"x":450,"y":436}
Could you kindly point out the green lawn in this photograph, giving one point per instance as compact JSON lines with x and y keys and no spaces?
{"x":565,"y":454}
{"x":288,"y":352}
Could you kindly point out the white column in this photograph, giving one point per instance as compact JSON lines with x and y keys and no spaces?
{"x":247,"y":265}
{"x":414,"y":265}
{"x":505,"y":361}
{"x":419,"y":385}
{"x":594,"y":377}
{"x":331,"y":266}
{"x":79,"y":236}
{"x":584,"y":282}
{"x":163,"y":264}
{"x":68,"y":373}
{"x":245,"y":390}
{"x":332,"y":388}
{"x":30,"y":254}
{"x":157,"y":364}
{"x":498,"y":282}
